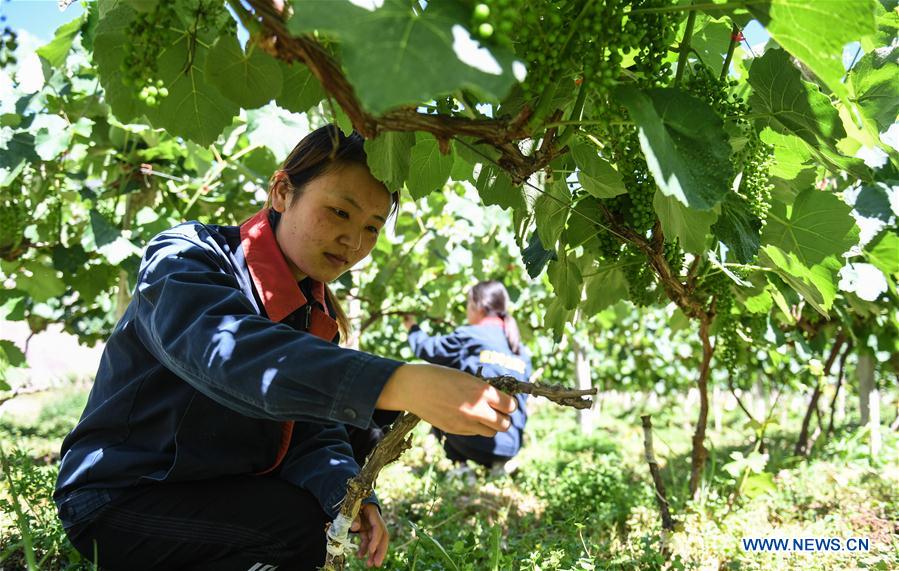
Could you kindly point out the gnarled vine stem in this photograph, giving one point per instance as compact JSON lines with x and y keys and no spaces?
{"x":398,"y":440}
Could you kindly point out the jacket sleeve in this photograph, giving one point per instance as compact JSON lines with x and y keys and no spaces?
{"x":192,"y":316}
{"x":441,"y":350}
{"x":321,"y":462}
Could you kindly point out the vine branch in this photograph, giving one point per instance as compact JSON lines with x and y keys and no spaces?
{"x":397,"y":441}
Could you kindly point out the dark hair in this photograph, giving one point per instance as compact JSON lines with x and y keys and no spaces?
{"x":317,"y":153}
{"x":492,"y":298}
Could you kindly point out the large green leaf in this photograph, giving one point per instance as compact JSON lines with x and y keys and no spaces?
{"x":43,"y":284}
{"x":496,"y":188}
{"x":816,"y":284}
{"x":883,"y":252}
{"x":394,"y":55}
{"x":595,"y":174}
{"x":551,"y":211}
{"x":791,"y":155}
{"x":875,"y":86}
{"x":194,"y":109}
{"x":109,"y":53}
{"x":711,"y":43}
{"x":607,"y":287}
{"x":789,"y":105}
{"x":56,"y":51}
{"x":690,"y":226}
{"x":684,"y":142}
{"x":556,"y":317}
{"x":249,"y":79}
{"x":738,"y":229}
{"x":388,"y":157}
{"x":565,"y":277}
{"x":301,"y":89}
{"x":429,"y":168}
{"x":816,"y":226}
{"x":535,"y":256}
{"x":815,"y":31}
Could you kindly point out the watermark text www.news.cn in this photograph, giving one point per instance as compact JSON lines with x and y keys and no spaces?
{"x":805,"y":544}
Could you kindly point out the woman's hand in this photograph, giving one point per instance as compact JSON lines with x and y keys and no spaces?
{"x":373,"y":534}
{"x":453,"y":401}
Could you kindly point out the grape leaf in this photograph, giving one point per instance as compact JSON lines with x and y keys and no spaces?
{"x":797,"y":26}
{"x":551,"y":211}
{"x":194,"y":109}
{"x":565,"y":277}
{"x":495,"y":187}
{"x":535,"y":256}
{"x":607,"y":287}
{"x":249,"y":79}
{"x":388,"y":157}
{"x":684,"y":143}
{"x":596,"y":175}
{"x":816,"y":226}
{"x":792,"y":106}
{"x":429,"y":169}
{"x":816,"y":283}
{"x":883,"y":252}
{"x":738,"y":229}
{"x":690,"y":226}
{"x":875,"y":86}
{"x":301,"y":89}
{"x":395,"y":56}
{"x":56,"y":51}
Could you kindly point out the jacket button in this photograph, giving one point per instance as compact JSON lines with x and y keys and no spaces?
{"x":349,"y":413}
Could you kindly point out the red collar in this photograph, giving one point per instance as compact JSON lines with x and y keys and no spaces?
{"x":493,"y":320}
{"x":276,"y":284}
{"x":281,"y":294}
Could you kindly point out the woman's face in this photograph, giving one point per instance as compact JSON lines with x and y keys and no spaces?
{"x":333,"y":223}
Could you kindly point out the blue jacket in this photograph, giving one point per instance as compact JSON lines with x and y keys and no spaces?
{"x":470,"y":348}
{"x":220,"y":366}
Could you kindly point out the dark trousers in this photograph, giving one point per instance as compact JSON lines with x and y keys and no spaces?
{"x":245,"y":523}
{"x":460,"y":454}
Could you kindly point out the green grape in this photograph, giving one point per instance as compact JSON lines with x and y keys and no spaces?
{"x":674,"y":255}
{"x":640,"y":278}
{"x":13,"y":221}
{"x":143,"y":50}
{"x":754,"y":159}
{"x":481,"y":12}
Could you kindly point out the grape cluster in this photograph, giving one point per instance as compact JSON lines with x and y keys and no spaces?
{"x":674,"y":255}
{"x":139,"y":65}
{"x":634,"y":208}
{"x":587,"y":35}
{"x":640,"y":278}
{"x":661,"y":31}
{"x":13,"y":220}
{"x":608,"y":245}
{"x":494,"y":20}
{"x":719,"y":290}
{"x":755,"y":157}
{"x":8,"y":44}
{"x":755,"y":185}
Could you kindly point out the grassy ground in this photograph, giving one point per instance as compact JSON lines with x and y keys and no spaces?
{"x":576,"y":502}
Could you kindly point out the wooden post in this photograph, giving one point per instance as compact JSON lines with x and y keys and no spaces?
{"x":586,"y":416}
{"x":661,"y":496}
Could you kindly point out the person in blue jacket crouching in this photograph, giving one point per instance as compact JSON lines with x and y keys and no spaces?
{"x":225,"y":419}
{"x":491,"y":344}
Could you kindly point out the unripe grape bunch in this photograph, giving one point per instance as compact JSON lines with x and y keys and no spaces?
{"x":139,"y":66}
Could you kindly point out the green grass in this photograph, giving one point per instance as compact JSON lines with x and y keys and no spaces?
{"x":577,"y":502}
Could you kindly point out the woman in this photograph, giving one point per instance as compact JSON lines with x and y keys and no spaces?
{"x":216,"y":433}
{"x":489,"y":344}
